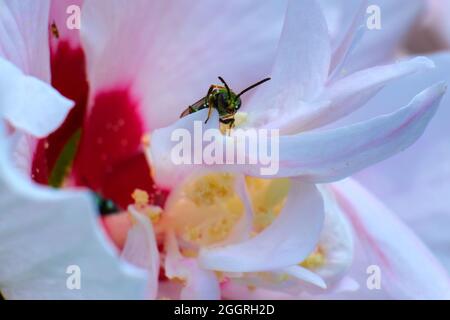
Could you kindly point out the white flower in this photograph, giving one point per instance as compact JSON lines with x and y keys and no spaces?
{"x":132,"y":69}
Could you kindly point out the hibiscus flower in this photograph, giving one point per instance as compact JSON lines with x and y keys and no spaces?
{"x":222,"y":230}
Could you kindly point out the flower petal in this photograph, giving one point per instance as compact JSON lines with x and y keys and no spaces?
{"x":24,"y":36}
{"x":422,"y":172}
{"x":380,"y":45}
{"x":29,"y":103}
{"x":346,"y":150}
{"x":348,"y":94}
{"x":43,"y":232}
{"x":242,"y":230}
{"x":200,"y":284}
{"x":336,"y":241}
{"x":286,"y":242}
{"x":62,"y":13}
{"x":408,"y":269}
{"x":315,"y":156}
{"x":140,"y":43}
{"x":305,"y":275}
{"x":141,"y":250}
{"x":347,"y":31}
{"x":302,"y":63}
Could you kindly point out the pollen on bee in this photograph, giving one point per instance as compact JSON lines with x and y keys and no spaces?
{"x":240,"y":118}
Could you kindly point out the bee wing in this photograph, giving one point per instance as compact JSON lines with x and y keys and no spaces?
{"x":186,"y":112}
{"x":199,"y":105}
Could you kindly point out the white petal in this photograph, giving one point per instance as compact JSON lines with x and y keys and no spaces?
{"x":24,"y":37}
{"x":44,"y":231}
{"x":422,"y":172}
{"x":302,"y":63}
{"x":344,"y":96}
{"x":315,"y":156}
{"x":335,"y":154}
{"x":287,"y":241}
{"x":336,"y":241}
{"x":139,"y":44}
{"x":380,"y":45}
{"x":346,"y":35}
{"x":200,"y":284}
{"x":30,"y":104}
{"x":305,"y":275}
{"x":141,"y":250}
{"x":242,"y":230}
{"x":340,"y":17}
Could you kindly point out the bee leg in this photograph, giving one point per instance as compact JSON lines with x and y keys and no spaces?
{"x":209,"y":114}
{"x":231,"y":126}
{"x":208,"y":98}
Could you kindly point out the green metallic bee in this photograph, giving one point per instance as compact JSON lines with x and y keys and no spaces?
{"x":221,"y":98}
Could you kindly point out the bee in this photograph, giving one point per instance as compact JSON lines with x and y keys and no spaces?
{"x":224,"y":100}
{"x":54,"y":30}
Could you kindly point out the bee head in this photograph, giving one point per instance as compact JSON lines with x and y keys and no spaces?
{"x":234,"y":100}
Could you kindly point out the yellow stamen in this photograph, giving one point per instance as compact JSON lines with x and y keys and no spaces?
{"x":268,"y":198}
{"x":141,"y":203}
{"x":206,"y":210}
{"x":189,"y":253}
{"x":153,"y":213}
{"x":140,"y":197}
{"x":314,"y":260}
{"x":146,"y":140}
{"x":210,"y":189}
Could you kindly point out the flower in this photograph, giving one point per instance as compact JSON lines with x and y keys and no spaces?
{"x":220,"y":229}
{"x":306,"y":87}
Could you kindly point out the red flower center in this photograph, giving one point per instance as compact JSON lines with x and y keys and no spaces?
{"x":109,"y":157}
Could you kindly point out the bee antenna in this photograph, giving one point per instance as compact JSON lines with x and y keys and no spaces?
{"x":252,"y":86}
{"x":226,"y":86}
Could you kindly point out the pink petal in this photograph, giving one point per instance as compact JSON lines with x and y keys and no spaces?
{"x":60,"y":15}
{"x":301,"y":219}
{"x":408,"y":269}
{"x":140,"y":43}
{"x":24,"y":36}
